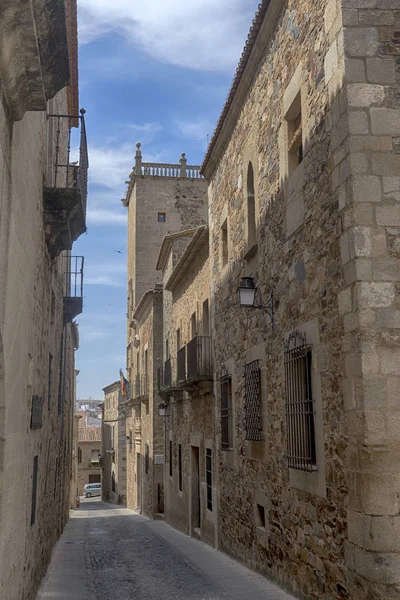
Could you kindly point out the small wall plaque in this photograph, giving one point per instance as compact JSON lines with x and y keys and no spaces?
{"x":159,"y":459}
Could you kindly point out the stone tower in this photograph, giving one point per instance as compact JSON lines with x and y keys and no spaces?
{"x":161,"y":199}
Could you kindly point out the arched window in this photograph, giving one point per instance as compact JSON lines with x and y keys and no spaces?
{"x":251,"y":207}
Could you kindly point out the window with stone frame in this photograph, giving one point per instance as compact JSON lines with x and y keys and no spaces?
{"x":130,"y":441}
{"x":252,"y":401}
{"x":226,"y":413}
{"x":34,"y":489}
{"x":209,"y":478}
{"x":224,"y":243}
{"x":180,"y":486}
{"x":170,"y":458}
{"x":299,"y":405}
{"x":79,"y":454}
{"x":147,"y":459}
{"x":295,"y":134}
{"x":251,"y":207}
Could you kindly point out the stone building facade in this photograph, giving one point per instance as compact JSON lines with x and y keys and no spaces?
{"x":145,"y":428}
{"x":186,"y":384}
{"x":161,"y":199}
{"x":74,"y":487}
{"x":113,"y":452}
{"x":40,"y":217}
{"x":89,"y":452}
{"x":304,"y":193}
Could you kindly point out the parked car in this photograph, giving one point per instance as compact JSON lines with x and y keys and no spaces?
{"x":92,"y":489}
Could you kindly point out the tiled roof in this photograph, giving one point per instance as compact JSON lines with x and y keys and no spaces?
{"x":250,"y":42}
{"x":89,"y":434}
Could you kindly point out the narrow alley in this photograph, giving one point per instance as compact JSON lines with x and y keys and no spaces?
{"x":110,"y":552}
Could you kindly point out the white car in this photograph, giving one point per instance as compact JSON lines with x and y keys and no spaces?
{"x":92,"y":489}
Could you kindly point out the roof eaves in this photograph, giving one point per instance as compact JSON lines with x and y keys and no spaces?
{"x":243,"y":62}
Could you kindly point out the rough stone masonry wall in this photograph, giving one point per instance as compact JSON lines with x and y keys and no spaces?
{"x":191,"y":414}
{"x":185,"y":203}
{"x":303,"y":546}
{"x":29,"y":331}
{"x":369,"y":301}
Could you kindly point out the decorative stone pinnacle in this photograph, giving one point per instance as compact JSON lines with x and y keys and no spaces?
{"x":183,"y":155}
{"x":138,"y":145}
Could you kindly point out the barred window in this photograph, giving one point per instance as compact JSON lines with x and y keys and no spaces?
{"x":209,"y":478}
{"x":226,"y":413}
{"x":252,"y":401}
{"x":79,"y":454}
{"x":180,"y":466}
{"x":301,"y":446}
{"x":170,"y":458}
{"x":147,"y":459}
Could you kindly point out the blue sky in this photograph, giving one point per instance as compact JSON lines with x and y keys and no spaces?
{"x":157,"y":73}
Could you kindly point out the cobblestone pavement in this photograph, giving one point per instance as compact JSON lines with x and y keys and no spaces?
{"x":108,"y":552}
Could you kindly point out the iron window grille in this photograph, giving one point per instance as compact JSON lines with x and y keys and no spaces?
{"x":180,"y":467}
{"x":252,"y":401}
{"x":170,"y":458}
{"x":209,"y":478}
{"x":299,"y":406}
{"x":226,"y":413}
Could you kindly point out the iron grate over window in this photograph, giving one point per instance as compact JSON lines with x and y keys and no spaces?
{"x":252,"y":401}
{"x":299,"y":407}
{"x":226,"y":413}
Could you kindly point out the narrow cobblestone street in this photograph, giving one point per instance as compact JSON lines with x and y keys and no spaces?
{"x":109,"y":552}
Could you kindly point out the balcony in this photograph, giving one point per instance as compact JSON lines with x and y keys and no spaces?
{"x":73,"y":287}
{"x":199,"y":360}
{"x":181,"y":366}
{"x":65,"y":194}
{"x":141,"y":387}
{"x":193,"y":368}
{"x":166,"y":377}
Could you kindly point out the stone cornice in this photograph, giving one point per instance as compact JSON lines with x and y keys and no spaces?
{"x":34,"y":62}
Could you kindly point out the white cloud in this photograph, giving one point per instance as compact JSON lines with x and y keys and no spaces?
{"x":195,"y":130}
{"x":110,"y":166}
{"x":198,"y":34}
{"x":103,"y":280}
{"x":100,"y":216}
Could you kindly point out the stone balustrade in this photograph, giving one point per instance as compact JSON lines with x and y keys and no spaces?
{"x":181,"y":170}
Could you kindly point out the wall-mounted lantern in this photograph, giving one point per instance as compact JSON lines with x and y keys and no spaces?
{"x":247,"y":293}
{"x":162,"y":408}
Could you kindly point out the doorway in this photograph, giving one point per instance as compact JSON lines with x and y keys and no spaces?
{"x":195,"y":521}
{"x":138,"y":482}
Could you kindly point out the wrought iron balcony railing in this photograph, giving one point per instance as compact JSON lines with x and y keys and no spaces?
{"x":181,"y":365}
{"x":73,"y":287}
{"x":141,"y":386}
{"x":65,"y":192}
{"x":199,"y":359}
